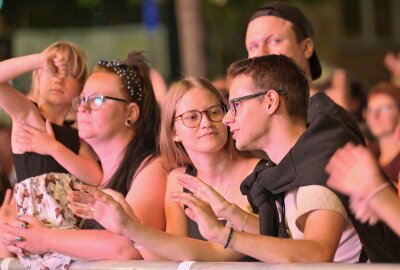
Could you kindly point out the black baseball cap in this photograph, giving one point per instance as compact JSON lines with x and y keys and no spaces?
{"x":297,"y":18}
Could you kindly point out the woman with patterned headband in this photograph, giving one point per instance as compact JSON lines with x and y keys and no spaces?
{"x":118,"y":116}
{"x":196,"y":144}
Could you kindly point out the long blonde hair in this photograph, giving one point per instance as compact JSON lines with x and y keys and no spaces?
{"x":174,"y":152}
{"x":74,"y":55}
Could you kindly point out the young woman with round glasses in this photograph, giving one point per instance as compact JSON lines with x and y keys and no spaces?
{"x":195,"y":143}
{"x":118,"y":116}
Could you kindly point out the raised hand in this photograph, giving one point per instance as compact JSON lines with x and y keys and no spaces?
{"x":200,"y":212}
{"x":206,"y":193}
{"x":31,"y":139}
{"x":354,"y":171}
{"x":107,"y":207}
{"x":54,"y":64}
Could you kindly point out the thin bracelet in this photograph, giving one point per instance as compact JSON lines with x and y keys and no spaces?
{"x":229,"y":238}
{"x":375,"y":192}
{"x":245,"y":221}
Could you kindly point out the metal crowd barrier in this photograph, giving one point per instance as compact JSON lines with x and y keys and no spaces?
{"x":14,"y":264}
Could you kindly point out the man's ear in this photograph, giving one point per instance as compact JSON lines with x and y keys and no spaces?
{"x":308,"y":47}
{"x":272,"y":99}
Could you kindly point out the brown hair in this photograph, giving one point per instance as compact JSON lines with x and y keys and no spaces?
{"x":386,"y":88}
{"x":175,"y":153}
{"x":146,"y":128}
{"x":280,"y":73}
{"x":74,"y":55}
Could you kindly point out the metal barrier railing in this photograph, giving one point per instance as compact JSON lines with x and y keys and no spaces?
{"x":14,"y":264}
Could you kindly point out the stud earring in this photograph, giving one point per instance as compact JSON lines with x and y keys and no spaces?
{"x":128,"y":122}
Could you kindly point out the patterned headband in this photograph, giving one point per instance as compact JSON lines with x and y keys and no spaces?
{"x":128,"y":75}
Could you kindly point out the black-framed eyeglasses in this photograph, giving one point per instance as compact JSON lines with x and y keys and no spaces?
{"x":93,"y":102}
{"x":192,"y":119}
{"x":233,"y":103}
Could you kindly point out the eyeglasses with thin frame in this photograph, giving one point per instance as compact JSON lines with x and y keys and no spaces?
{"x":192,"y":119}
{"x":233,"y":103}
{"x":93,"y":102}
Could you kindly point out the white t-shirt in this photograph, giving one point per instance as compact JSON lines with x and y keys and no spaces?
{"x":301,"y":201}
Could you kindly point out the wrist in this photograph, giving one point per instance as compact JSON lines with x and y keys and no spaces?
{"x":228,"y":210}
{"x":375,"y":192}
{"x":376,"y":200}
{"x":222,"y":236}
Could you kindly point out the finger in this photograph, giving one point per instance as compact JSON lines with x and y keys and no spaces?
{"x":49,"y":128}
{"x":16,"y":250}
{"x":81,"y":197}
{"x":186,"y":199}
{"x":190,"y":213}
{"x":188,"y":182}
{"x":27,"y":219}
{"x":8,"y":197}
{"x":9,"y":238}
{"x":86,"y":188}
{"x":30,"y":129}
{"x":114,"y":194}
{"x":83,"y":212}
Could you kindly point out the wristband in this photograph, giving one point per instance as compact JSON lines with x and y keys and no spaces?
{"x":375,"y":192}
{"x":229,"y":238}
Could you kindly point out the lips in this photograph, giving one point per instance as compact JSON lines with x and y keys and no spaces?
{"x":207,"y":134}
{"x":234,"y":132}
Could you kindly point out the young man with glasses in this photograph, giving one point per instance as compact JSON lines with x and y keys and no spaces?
{"x":280,"y":28}
{"x":261,"y":117}
{"x":275,"y":121}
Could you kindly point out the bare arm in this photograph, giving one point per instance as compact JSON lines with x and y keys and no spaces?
{"x":354,"y":171}
{"x":386,"y":205}
{"x":145,"y":197}
{"x":175,"y":244}
{"x":323,"y":229}
{"x":12,"y":101}
{"x":83,"y":165}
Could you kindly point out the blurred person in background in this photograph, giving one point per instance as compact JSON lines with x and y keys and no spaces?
{"x":383,"y":119}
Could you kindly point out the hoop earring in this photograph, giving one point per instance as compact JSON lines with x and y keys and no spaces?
{"x":128,"y":122}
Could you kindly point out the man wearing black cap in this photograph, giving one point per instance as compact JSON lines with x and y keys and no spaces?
{"x":280,"y":28}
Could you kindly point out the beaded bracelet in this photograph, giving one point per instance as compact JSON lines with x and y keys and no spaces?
{"x":229,"y":238}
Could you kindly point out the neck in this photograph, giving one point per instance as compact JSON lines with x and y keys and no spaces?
{"x":110,"y":153}
{"x":282,"y":138}
{"x":56,"y":114}
{"x":212,"y":168}
{"x":313,"y":90}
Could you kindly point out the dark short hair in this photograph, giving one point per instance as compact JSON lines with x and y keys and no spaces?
{"x":301,"y":26}
{"x":277,"y":72}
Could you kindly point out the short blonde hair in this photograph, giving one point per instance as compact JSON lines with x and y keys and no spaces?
{"x":174,"y":152}
{"x":74,"y":55}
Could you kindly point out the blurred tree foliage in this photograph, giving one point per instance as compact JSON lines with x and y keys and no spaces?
{"x":224,"y":21}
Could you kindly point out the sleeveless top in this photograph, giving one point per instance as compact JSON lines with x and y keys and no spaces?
{"x":31,"y":164}
{"x":194,"y":228}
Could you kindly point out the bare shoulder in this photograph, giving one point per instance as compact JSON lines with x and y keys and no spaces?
{"x":172,"y":183}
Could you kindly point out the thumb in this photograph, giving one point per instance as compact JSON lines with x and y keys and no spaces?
{"x":49,"y":128}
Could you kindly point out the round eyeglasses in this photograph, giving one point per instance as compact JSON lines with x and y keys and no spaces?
{"x":192,"y":119}
{"x":93,"y":102}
